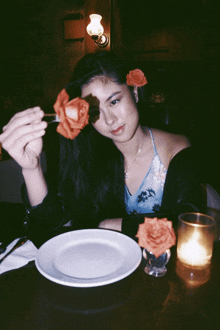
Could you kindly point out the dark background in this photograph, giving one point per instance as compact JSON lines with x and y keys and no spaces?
{"x":175,"y":42}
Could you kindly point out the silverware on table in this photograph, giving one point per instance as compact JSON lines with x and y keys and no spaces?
{"x":20,"y":242}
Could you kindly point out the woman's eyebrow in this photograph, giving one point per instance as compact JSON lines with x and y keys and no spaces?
{"x":112,"y":95}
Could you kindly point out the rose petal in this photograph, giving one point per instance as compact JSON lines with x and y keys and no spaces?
{"x":73,"y":115}
{"x":156,"y":235}
{"x":136,"y":78}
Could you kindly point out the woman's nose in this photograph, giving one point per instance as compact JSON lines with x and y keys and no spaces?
{"x":110,"y":118}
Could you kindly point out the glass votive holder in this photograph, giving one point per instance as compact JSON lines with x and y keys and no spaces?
{"x":192,"y":276}
{"x":196,"y":232}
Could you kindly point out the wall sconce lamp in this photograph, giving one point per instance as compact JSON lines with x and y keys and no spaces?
{"x":96,"y":30}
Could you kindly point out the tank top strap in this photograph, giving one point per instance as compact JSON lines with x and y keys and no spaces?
{"x":152,"y":138}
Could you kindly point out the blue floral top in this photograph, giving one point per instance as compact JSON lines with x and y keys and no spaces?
{"x":148,"y":197}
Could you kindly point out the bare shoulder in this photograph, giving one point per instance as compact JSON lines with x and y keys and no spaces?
{"x":169,"y":144}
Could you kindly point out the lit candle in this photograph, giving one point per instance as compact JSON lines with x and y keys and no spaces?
{"x":193,"y":253}
{"x":195,"y":239}
{"x":194,"y":248}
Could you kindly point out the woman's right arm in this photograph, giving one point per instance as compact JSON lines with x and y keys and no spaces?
{"x":22,"y":139}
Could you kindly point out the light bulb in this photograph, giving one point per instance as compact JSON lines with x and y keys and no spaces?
{"x":95,"y":29}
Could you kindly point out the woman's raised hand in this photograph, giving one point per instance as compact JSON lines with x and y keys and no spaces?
{"x":22,"y":137}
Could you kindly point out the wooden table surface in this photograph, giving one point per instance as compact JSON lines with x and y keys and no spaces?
{"x":29,"y":301}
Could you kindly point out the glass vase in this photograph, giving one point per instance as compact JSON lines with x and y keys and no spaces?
{"x":156,"y":266}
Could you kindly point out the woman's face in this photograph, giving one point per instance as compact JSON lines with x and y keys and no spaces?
{"x":118,"y":117}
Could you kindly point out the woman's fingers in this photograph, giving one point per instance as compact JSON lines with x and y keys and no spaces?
{"x":26,"y":149}
{"x":23,"y":118}
{"x":21,"y":114}
{"x":11,"y":136}
{"x":22,"y":136}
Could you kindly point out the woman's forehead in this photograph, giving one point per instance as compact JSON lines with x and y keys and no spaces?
{"x":104,"y":80}
{"x":101,"y":85}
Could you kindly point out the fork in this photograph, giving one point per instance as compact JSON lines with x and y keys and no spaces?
{"x":51,"y":118}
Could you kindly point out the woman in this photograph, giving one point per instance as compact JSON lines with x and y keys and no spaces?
{"x":114,"y":168}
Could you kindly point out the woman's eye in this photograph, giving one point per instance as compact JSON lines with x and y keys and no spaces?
{"x":113,"y":102}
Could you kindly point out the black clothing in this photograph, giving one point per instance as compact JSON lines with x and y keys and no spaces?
{"x":183,"y":192}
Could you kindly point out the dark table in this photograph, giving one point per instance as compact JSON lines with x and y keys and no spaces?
{"x":29,"y":301}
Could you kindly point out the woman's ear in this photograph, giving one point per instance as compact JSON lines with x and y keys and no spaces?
{"x":136,"y":94}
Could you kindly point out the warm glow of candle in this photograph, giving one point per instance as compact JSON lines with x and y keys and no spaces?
{"x":192,"y":252}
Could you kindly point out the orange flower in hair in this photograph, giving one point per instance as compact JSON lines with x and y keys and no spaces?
{"x":74,"y":115}
{"x":136,"y":78}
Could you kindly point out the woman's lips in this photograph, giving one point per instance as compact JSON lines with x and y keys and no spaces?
{"x":117,"y":130}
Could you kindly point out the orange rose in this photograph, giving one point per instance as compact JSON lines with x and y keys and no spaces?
{"x":136,"y":78}
{"x":156,"y":235}
{"x":73,"y":115}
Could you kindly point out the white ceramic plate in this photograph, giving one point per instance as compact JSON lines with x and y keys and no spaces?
{"x":88,"y":258}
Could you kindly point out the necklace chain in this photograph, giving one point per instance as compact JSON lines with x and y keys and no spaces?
{"x":138,"y":152}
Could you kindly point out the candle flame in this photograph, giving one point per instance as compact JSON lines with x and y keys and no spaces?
{"x":192,"y":252}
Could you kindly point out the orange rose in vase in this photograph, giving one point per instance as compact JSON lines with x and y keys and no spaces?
{"x":156,"y":235}
{"x":74,"y":115}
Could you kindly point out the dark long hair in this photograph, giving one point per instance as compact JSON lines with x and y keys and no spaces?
{"x":91,"y":167}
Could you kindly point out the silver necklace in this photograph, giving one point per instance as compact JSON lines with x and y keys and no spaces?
{"x":138,"y":152}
